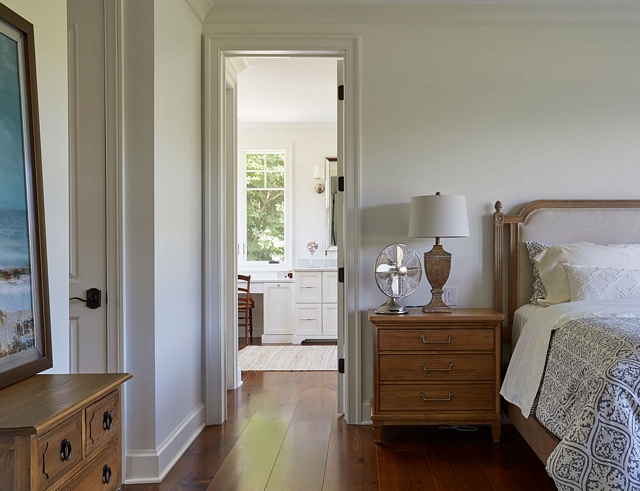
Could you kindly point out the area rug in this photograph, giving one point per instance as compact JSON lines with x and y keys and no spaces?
{"x":288,"y":358}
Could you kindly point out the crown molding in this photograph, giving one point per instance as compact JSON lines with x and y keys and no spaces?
{"x":422,"y":14}
{"x":200,"y":8}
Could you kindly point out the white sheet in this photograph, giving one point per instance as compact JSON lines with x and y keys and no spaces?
{"x":520,"y":318}
{"x":525,"y":370}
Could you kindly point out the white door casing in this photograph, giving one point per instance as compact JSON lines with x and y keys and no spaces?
{"x":218,"y":205}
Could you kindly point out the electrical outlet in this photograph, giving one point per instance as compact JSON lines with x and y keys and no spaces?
{"x":451,"y":296}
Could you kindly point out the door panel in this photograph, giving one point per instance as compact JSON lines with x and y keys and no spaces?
{"x":87,"y":174}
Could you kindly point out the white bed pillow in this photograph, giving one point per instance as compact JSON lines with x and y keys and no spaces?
{"x":593,"y":283}
{"x":554,"y":277}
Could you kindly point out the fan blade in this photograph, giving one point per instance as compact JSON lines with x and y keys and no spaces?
{"x":413,"y":271}
{"x":385,"y":268}
{"x":395,"y":287}
{"x":400,"y":256}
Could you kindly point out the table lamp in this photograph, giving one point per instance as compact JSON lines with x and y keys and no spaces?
{"x":438,"y":216}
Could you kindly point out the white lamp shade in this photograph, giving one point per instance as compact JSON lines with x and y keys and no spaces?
{"x":438,"y":216}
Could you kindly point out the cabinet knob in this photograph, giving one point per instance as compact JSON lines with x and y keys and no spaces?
{"x":65,"y":450}
{"x":106,"y":474}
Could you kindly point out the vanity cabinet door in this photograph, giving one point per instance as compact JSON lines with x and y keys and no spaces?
{"x":278,"y":306}
{"x":330,"y":319}
{"x":330,"y":287}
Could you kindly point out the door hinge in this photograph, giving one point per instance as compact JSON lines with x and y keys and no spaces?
{"x":340,"y":365}
{"x":341,"y":92}
{"x":341,"y":184}
{"x":340,"y":275}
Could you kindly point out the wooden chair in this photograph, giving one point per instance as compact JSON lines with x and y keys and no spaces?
{"x":245,"y":306}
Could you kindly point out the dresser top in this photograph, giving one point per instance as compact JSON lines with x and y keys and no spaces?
{"x":31,"y":403}
{"x":457,"y":316}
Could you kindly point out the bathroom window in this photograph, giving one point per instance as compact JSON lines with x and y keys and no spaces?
{"x":263,"y":209}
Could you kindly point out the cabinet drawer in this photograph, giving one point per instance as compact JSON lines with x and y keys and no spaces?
{"x":102,"y":421}
{"x":437,"y":397}
{"x":103,"y":473}
{"x":436,"y":367}
{"x":308,"y":287}
{"x":439,"y":339}
{"x":59,"y":450}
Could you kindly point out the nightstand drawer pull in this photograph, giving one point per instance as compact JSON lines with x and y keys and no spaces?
{"x":447,"y":399}
{"x":437,"y":369}
{"x":436,"y":342}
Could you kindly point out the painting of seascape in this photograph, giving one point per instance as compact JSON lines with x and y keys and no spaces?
{"x":16,"y":307}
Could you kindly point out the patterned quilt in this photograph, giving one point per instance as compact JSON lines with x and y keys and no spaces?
{"x":590,"y":399}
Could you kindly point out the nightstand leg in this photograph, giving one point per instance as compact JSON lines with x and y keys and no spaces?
{"x":495,"y":431}
{"x":377,"y":433}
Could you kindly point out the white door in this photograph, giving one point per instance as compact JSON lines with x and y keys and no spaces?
{"x":341,"y":327}
{"x":87,"y":174}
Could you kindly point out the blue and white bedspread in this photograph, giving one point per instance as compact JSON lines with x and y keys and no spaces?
{"x":590,"y":399}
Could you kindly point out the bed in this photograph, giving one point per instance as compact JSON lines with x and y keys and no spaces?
{"x":555,"y":222}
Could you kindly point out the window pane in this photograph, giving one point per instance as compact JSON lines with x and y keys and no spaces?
{"x":255,"y":161}
{"x":265,"y":225}
{"x":275,"y":180}
{"x":255,"y":179}
{"x":275,"y":161}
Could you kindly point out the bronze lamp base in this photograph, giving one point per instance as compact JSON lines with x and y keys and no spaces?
{"x":437,"y":266}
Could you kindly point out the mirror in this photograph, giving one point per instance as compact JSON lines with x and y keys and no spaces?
{"x":331,"y":177}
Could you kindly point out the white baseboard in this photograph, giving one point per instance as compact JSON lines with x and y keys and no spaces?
{"x":151,"y":466}
{"x":277,"y":338}
{"x":365,"y":418}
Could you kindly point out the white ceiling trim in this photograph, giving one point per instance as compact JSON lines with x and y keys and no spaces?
{"x":422,"y":14}
{"x":200,"y":8}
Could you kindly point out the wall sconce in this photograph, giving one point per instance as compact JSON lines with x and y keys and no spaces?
{"x":319,"y":175}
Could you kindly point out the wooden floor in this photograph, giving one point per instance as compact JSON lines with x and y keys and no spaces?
{"x":283,"y":434}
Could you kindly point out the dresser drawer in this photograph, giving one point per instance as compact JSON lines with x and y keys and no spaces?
{"x":438,"y":339}
{"x":59,"y":450}
{"x":103,"y":473}
{"x":102,"y":421}
{"x":437,"y":397}
{"x":436,"y":367}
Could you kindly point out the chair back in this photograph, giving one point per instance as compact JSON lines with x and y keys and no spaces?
{"x":244,"y":287}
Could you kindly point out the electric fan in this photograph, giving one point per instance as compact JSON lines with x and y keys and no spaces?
{"x":398,"y":272}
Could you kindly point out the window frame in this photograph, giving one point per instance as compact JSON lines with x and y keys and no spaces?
{"x":243,"y":264}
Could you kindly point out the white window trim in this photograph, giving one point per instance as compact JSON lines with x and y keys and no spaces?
{"x":287,"y":264}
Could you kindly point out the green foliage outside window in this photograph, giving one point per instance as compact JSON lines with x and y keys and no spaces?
{"x":265,"y":206}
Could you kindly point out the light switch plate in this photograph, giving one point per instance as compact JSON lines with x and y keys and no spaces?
{"x":451,"y":296}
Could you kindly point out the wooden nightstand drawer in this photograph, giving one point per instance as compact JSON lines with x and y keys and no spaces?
{"x":437,"y":397}
{"x":59,"y":450}
{"x":102,"y":421}
{"x":102,"y":473}
{"x":436,"y":367}
{"x":436,"y":339}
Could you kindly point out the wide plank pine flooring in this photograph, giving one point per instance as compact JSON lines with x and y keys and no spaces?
{"x":283,"y":434}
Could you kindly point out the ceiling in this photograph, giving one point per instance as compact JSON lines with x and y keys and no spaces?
{"x":562,"y":3}
{"x":288,"y":90}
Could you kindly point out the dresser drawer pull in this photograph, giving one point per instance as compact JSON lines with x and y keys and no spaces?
{"x":107,"y":421}
{"x":307,"y":287}
{"x":447,"y":399}
{"x":448,"y":369}
{"x":106,"y":474}
{"x":65,"y":450}
{"x":436,"y":342}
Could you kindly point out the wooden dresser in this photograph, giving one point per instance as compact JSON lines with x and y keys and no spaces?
{"x":62,"y":432}
{"x":436,"y":369}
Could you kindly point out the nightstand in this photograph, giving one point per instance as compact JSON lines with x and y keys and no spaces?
{"x":433,"y":369}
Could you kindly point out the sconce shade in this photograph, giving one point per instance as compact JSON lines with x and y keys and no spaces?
{"x":438,"y":216}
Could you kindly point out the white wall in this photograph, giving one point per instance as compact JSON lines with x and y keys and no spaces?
{"x":495,"y":104}
{"x":49,"y":18}
{"x":163,"y":239}
{"x":178,"y":214}
{"x":312,"y":143}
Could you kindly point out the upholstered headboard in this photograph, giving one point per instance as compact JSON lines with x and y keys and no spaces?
{"x":553,"y":222}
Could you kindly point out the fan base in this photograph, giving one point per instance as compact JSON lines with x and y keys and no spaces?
{"x":391,"y":307}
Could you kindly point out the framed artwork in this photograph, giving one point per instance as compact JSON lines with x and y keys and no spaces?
{"x":25,"y":327}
